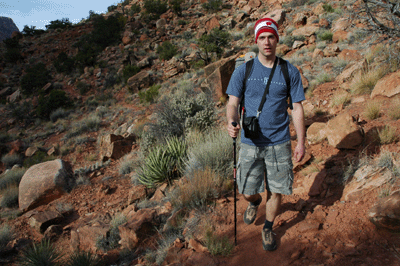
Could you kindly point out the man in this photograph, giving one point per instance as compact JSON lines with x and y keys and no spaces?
{"x":266,"y":161}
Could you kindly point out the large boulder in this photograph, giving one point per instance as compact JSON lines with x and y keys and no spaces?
{"x":386,"y":212}
{"x":218,"y":76}
{"x":343,"y":132}
{"x":45,"y":182}
{"x":388,"y":86}
{"x":141,"y":80}
{"x":115,"y":146}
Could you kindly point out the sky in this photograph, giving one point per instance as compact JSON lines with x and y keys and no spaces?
{"x":39,"y":13}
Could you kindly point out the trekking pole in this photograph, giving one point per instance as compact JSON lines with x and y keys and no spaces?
{"x":234,"y":179}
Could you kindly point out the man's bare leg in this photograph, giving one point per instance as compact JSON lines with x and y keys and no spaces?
{"x":273,"y":205}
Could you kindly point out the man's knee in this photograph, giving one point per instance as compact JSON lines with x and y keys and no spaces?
{"x":251,"y":198}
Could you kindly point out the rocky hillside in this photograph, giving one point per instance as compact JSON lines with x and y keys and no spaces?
{"x":7,"y":27}
{"x":112,"y":136}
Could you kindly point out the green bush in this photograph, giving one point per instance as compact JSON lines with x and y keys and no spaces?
{"x":149,"y":95}
{"x":112,"y":8}
{"x":135,"y":9}
{"x":13,"y":53}
{"x":212,"y":5}
{"x":32,"y":31}
{"x":11,"y":178}
{"x":81,"y":258}
{"x":58,"y":113}
{"x":214,"y":42}
{"x":129,"y":71}
{"x":324,"y":35}
{"x":162,"y":163}
{"x":6,"y":235}
{"x":64,"y":63}
{"x":38,"y":157}
{"x":218,"y":245}
{"x":167,"y":50}
{"x":41,"y":254}
{"x":49,"y":103}
{"x":9,"y":198}
{"x":35,"y":78}
{"x":176,"y":6}
{"x":155,"y":8}
{"x":9,"y":160}
{"x":59,"y":24}
{"x":328,"y":8}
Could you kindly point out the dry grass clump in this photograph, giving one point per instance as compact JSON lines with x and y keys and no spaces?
{"x":394,"y":111}
{"x":341,"y":98}
{"x":365,"y":83}
{"x":387,"y":135}
{"x":372,"y":110}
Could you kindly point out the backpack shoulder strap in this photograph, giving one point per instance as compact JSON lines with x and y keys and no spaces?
{"x":249,"y":67}
{"x":285,"y":73}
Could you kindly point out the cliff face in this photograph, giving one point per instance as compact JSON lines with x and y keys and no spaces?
{"x":7,"y":27}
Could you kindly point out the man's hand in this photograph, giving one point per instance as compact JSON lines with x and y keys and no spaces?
{"x":233,"y":131}
{"x":299,"y":152}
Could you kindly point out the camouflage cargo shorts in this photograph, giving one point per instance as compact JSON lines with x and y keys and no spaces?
{"x":272,"y":162}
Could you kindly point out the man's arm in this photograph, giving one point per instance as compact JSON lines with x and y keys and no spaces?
{"x":298,"y":121}
{"x":232,"y":115}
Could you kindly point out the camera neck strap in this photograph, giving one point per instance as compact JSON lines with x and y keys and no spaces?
{"x":264,"y":98}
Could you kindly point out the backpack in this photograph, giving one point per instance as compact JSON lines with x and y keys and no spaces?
{"x":248,"y":59}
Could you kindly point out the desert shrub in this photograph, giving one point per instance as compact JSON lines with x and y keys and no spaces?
{"x":181,"y":112}
{"x":135,"y":8}
{"x":385,"y":160}
{"x":81,"y":258}
{"x":13,"y":53}
{"x":218,"y":245}
{"x":35,"y":78}
{"x":9,"y":197}
{"x":126,"y":166}
{"x":211,"y":150}
{"x":328,"y":8}
{"x":105,"y":33}
{"x":64,"y":63}
{"x":11,"y":178}
{"x":394,"y":111}
{"x":289,"y":40}
{"x":112,"y":8}
{"x":41,"y":254}
{"x":324,"y":35}
{"x":149,"y":95}
{"x":162,"y":163}
{"x":197,"y":190}
{"x":387,"y":135}
{"x":366,"y":82}
{"x":83,"y":87}
{"x":212,"y":5}
{"x":154,"y":8}
{"x":167,"y":50}
{"x":372,"y":110}
{"x":129,"y":71}
{"x":323,"y":78}
{"x":49,"y":103}
{"x":9,"y":160}
{"x":59,"y":24}
{"x":38,"y":157}
{"x":341,"y":99}
{"x":113,"y":237}
{"x":6,"y":235}
{"x":89,"y":124}
{"x":176,"y":6}
{"x":32,"y":31}
{"x":58,"y":113}
{"x":214,"y":42}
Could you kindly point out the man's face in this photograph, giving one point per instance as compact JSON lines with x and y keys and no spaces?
{"x":267,"y":43}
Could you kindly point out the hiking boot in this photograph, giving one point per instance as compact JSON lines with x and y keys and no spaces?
{"x":268,"y":239}
{"x":251,"y":213}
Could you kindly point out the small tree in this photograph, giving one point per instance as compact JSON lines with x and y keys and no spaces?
{"x":59,"y":24}
{"x":155,"y":8}
{"x":176,"y":6}
{"x":214,"y":42}
{"x":383,"y":16}
{"x":167,"y":50}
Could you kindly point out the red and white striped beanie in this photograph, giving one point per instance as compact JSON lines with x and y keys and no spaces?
{"x":266,"y":25}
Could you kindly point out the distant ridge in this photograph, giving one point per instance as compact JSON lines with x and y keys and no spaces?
{"x":7,"y":27}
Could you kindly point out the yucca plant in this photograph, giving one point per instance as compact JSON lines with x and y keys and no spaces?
{"x":81,"y":258}
{"x":163,"y":163}
{"x":42,"y":254}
